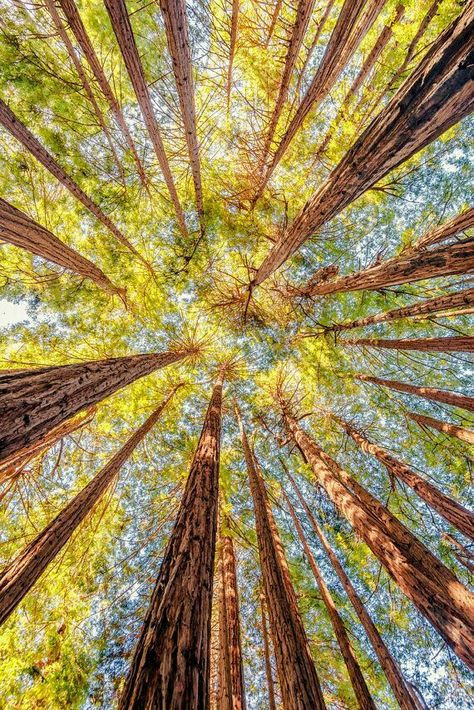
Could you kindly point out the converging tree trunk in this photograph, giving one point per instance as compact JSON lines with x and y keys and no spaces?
{"x":299,"y":683}
{"x":267,"y":655}
{"x":451,"y":228}
{"x":18,"y":577}
{"x":459,"y":432}
{"x":170,"y":667}
{"x":436,"y":96}
{"x":319,"y":28}
{"x":459,"y":344}
{"x":431,"y":393}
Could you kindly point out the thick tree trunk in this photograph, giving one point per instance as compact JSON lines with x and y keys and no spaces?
{"x":359,"y":685}
{"x":436,"y":96}
{"x":35,"y":401}
{"x":122,"y":28}
{"x":22,"y":231}
{"x":445,"y":506}
{"x":460,"y":344}
{"x":171,"y":663}
{"x":299,"y":683}
{"x":18,"y":577}
{"x":234,"y":23}
{"x":445,"y":428}
{"x":431,"y":393}
{"x":430,"y":585}
{"x":267,"y":656}
{"x":400,"y":688}
{"x":451,"y":228}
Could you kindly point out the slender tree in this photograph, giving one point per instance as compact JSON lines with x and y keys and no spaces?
{"x":436,"y":96}
{"x":171,"y":663}
{"x":459,"y":344}
{"x":458,"y":224}
{"x":273,"y":21}
{"x":459,"y":432}
{"x":319,"y":28}
{"x":432,"y":393}
{"x":234,"y":24}
{"x":18,"y":577}
{"x":267,"y":655}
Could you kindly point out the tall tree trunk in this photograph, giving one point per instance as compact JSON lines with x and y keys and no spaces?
{"x":431,"y":393}
{"x":19,"y":576}
{"x":406,"y":699}
{"x":22,"y":231}
{"x":171,"y":663}
{"x":122,"y":28}
{"x":459,"y":344}
{"x":451,"y":228}
{"x":273,"y":21}
{"x":359,"y":686}
{"x":445,"y":428}
{"x":435,"y":97}
{"x":35,"y":401}
{"x":445,"y":506}
{"x":267,"y":656}
{"x":317,"y":35}
{"x":177,"y":35}
{"x":234,"y":24}
{"x":82,"y":38}
{"x":299,"y":682}
{"x":431,"y":586}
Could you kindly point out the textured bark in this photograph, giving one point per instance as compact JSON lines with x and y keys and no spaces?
{"x":267,"y":655}
{"x":177,"y":35}
{"x":445,"y":428}
{"x":445,"y":506}
{"x":124,"y":34}
{"x":234,"y":24}
{"x":22,"y":231}
{"x":451,"y":228}
{"x":406,"y":699}
{"x":314,"y":43}
{"x":35,"y":401}
{"x":273,"y":21}
{"x":18,"y":577}
{"x":299,"y":683}
{"x":430,"y":585}
{"x":431,"y":393}
{"x":359,"y":686}
{"x":82,"y":38}
{"x":436,"y":96}
{"x":171,"y":663}
{"x":459,"y":344}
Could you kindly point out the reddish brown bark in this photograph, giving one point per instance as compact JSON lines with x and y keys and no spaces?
{"x":430,"y":585}
{"x":299,"y":683}
{"x":451,"y":228}
{"x":459,"y":432}
{"x":18,"y":577}
{"x":267,"y":656}
{"x":460,"y":344}
{"x":273,"y":21}
{"x":234,"y":23}
{"x":314,"y":43}
{"x":432,"y":393}
{"x":445,"y":506}
{"x":436,"y":96}
{"x":35,"y":401}
{"x":171,"y":663}
{"x":359,"y":686}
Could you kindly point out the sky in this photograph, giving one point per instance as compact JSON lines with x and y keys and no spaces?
{"x":12,"y":313}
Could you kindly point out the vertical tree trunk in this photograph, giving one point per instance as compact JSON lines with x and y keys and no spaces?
{"x":170,"y":665}
{"x":35,"y":401}
{"x":18,"y":577}
{"x":299,"y":682}
{"x":317,"y":35}
{"x":431,"y":586}
{"x":406,"y":699}
{"x":459,"y":344}
{"x":448,"y":508}
{"x":273,"y":21}
{"x":359,"y":686}
{"x":234,"y":24}
{"x":267,"y":656}
{"x":430,"y":393}
{"x":435,"y":97}
{"x":445,"y":428}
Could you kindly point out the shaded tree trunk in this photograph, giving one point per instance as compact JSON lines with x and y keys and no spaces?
{"x":18,"y":577}
{"x":451,"y":228}
{"x":299,"y":683}
{"x":436,"y":96}
{"x":267,"y":656}
{"x":234,"y":23}
{"x":171,"y":663}
{"x":459,"y":432}
{"x":459,"y":344}
{"x":314,"y":43}
{"x":35,"y":401}
{"x":359,"y":686}
{"x":431,"y":393}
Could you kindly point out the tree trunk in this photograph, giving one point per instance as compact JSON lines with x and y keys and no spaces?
{"x":19,"y":576}
{"x":232,"y":46}
{"x":22,"y":231}
{"x":431,"y":393}
{"x":273,"y":21}
{"x":400,"y":688}
{"x":82,"y":38}
{"x":359,"y":686}
{"x":435,"y":97}
{"x":430,"y":585}
{"x":122,"y":28}
{"x":35,"y":401}
{"x":445,"y":428}
{"x":445,"y":506}
{"x":171,"y":663}
{"x":451,"y":228}
{"x":460,"y":344}
{"x":319,"y":29}
{"x":267,"y":656}
{"x":299,"y":682}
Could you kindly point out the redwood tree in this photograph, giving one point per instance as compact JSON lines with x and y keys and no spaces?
{"x":458,"y":344}
{"x":267,"y":655}
{"x":431,"y":393}
{"x":459,"y":432}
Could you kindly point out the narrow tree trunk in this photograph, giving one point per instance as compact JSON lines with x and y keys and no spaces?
{"x":460,"y":344}
{"x":267,"y":656}
{"x":122,"y":28}
{"x":451,"y":228}
{"x":359,"y":686}
{"x":314,"y":43}
{"x":445,"y":428}
{"x":400,"y":688}
{"x":431,"y":393}
{"x":22,"y":231}
{"x":273,"y":21}
{"x":18,"y":577}
{"x":431,"y":586}
{"x":234,"y":23}
{"x":170,"y":666}
{"x":299,"y":682}
{"x":35,"y":401}
{"x":435,"y":97}
{"x":445,"y":506}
